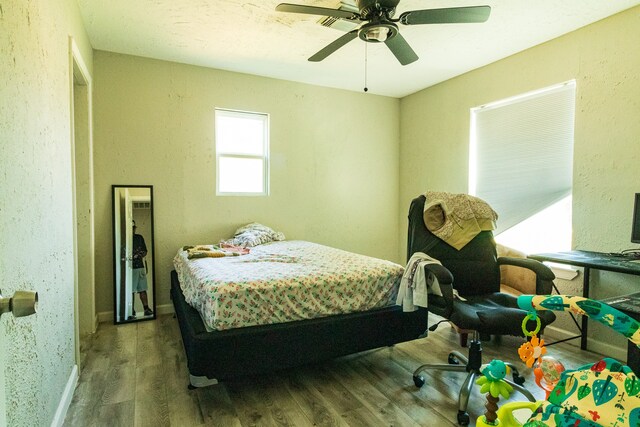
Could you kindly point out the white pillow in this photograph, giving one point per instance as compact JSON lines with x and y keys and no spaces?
{"x":255,"y":234}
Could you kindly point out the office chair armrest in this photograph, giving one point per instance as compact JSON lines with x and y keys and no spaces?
{"x":544,"y":275}
{"x":445,"y":280}
{"x":443,"y":275}
{"x":541,"y":270}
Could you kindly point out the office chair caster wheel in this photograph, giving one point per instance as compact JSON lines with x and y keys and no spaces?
{"x":518,"y":379}
{"x":418,"y":381}
{"x":485,"y":337}
{"x":463,"y":418}
{"x":452,"y":359}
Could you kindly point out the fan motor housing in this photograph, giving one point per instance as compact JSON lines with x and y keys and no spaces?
{"x":370,"y":8}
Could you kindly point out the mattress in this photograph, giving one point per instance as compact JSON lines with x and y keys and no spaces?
{"x":285,"y":281}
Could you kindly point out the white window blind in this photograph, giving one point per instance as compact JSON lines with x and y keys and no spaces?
{"x":242,"y":153}
{"x":522,"y":152}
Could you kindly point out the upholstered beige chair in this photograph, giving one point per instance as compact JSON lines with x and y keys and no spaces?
{"x":515,"y":280}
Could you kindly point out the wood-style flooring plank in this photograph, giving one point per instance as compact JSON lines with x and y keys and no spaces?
{"x":251,"y":406}
{"x":90,"y":388}
{"x":149,"y":353}
{"x":216,"y":407}
{"x":151,"y":412}
{"x":122,"y":349}
{"x":114,"y":415}
{"x":150,"y":383}
{"x":120,"y":384}
{"x":370,"y":397}
{"x":311,"y":401}
{"x":260,"y":401}
{"x":284,"y":408}
{"x":176,"y":374}
{"x":81,"y":415}
{"x":184,"y":409}
{"x":427,"y":403}
{"x":95,"y":361}
{"x":340,"y":398}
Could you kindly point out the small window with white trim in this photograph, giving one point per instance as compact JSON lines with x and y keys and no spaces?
{"x":242,"y":153}
{"x":521,"y":163}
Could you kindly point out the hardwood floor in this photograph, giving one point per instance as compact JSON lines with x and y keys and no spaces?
{"x":136,"y":375}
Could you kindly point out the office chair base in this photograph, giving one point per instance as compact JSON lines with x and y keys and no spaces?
{"x":463,"y":418}
{"x":457,"y":362}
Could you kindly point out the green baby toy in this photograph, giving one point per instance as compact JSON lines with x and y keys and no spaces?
{"x":492,"y":382}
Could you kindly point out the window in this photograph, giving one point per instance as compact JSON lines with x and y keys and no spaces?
{"x":242,"y":153}
{"x":521,"y":163}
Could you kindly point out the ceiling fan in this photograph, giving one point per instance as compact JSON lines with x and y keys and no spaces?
{"x":379,"y":26}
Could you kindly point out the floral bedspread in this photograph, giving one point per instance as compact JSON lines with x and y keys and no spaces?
{"x":285,"y":281}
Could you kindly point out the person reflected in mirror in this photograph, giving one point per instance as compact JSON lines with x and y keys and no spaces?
{"x":140,"y":271}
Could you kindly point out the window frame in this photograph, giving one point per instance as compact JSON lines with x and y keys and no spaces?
{"x":265,"y":119}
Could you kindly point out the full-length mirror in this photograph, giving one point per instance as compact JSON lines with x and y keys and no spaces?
{"x":133,"y":261}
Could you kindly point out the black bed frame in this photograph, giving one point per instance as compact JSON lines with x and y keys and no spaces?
{"x":220,"y":355}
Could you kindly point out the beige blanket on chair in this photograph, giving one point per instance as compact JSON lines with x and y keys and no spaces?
{"x":457,"y":218}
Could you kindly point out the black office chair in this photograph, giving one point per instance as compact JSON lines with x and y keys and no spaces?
{"x":474,"y":271}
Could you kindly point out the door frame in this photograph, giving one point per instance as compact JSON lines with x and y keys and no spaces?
{"x":85,"y":321}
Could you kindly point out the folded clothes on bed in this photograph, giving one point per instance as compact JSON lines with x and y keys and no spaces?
{"x":212,"y":251}
{"x":241,"y":250}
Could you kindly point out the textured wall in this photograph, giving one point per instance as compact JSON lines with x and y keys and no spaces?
{"x":334,"y":160}
{"x":604,"y":59}
{"x":36,"y":201}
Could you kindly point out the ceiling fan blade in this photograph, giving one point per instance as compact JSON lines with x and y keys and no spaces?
{"x":450,"y":15}
{"x":333,"y":46}
{"x":401,"y":49}
{"x":312,"y":10}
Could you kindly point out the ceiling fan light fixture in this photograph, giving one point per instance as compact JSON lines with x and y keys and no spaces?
{"x":379,"y":34}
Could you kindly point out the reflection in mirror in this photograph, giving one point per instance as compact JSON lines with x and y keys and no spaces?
{"x":133,"y":270}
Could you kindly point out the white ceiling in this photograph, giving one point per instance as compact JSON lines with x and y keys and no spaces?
{"x":251,"y":37}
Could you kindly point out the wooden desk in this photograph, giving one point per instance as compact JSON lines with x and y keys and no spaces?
{"x":588,"y":260}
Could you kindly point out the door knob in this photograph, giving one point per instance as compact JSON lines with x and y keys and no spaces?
{"x":23,"y":303}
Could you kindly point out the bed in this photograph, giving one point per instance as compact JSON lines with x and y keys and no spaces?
{"x":253,"y":313}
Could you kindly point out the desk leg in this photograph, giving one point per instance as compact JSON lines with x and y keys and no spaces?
{"x":585,"y":319}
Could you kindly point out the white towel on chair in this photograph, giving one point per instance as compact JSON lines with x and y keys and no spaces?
{"x":414,"y":286}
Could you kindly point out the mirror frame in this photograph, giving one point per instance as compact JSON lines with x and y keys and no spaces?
{"x":150,"y":248}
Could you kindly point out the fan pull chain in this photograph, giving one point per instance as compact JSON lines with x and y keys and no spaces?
{"x":366,"y":89}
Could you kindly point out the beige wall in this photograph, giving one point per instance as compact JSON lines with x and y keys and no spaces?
{"x":604,"y":59}
{"x":334,"y":160}
{"x":36,"y":199}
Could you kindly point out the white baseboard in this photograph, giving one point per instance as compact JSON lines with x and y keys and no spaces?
{"x":107,"y":316}
{"x":594,"y":345}
{"x":165,"y":309}
{"x":65,"y":400}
